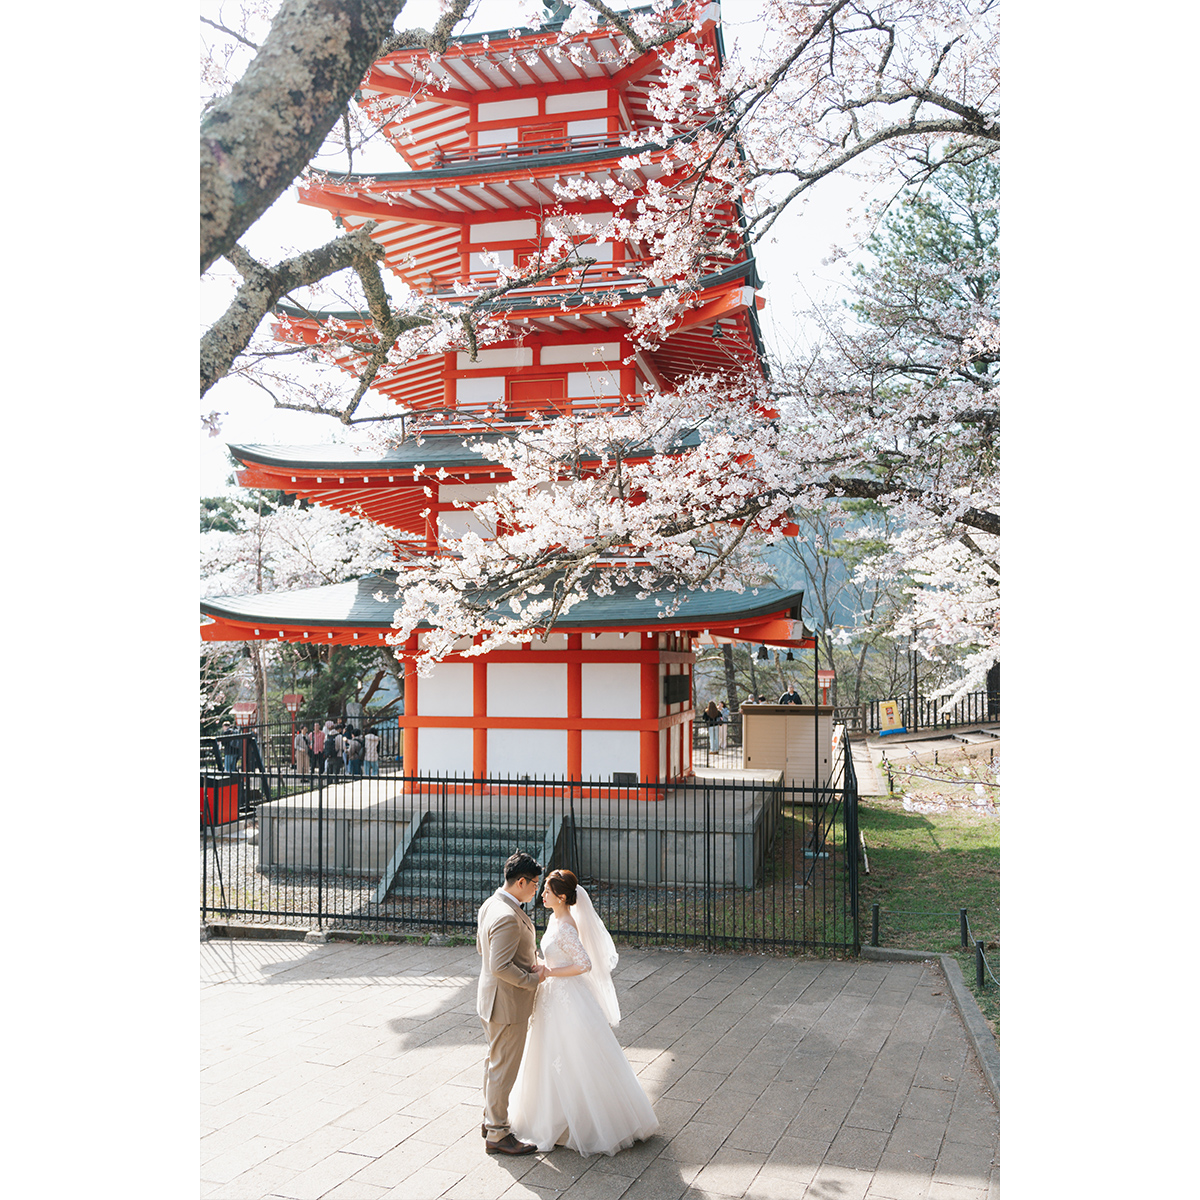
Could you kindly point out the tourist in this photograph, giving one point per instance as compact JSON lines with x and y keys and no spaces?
{"x":725,"y":719}
{"x":318,"y":747}
{"x":300,"y":745}
{"x":354,"y":751}
{"x":712,"y":718}
{"x":371,"y":752}
{"x":334,"y":749}
{"x":230,"y":746}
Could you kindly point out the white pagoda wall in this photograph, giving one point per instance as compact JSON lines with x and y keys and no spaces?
{"x":503,"y":703}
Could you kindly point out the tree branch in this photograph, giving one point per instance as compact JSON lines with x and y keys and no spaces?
{"x":263,"y":286}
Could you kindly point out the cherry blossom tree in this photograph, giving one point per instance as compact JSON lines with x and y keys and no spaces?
{"x":898,"y":409}
{"x":278,"y":547}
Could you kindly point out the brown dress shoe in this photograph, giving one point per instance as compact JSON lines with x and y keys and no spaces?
{"x":509,"y":1145}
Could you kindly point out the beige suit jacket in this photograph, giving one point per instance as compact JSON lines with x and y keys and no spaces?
{"x":506,"y":939}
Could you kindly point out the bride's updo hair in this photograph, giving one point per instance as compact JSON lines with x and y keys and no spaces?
{"x":563,"y":884}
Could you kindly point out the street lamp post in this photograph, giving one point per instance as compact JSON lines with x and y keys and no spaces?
{"x":243,"y":714}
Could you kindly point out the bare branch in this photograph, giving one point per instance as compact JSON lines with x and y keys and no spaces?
{"x":231,"y":32}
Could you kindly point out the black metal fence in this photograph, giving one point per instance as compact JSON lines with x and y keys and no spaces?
{"x":270,"y":746}
{"x":976,"y":708}
{"x":715,"y":863}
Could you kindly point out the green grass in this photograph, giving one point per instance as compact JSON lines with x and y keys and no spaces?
{"x":935,"y":863}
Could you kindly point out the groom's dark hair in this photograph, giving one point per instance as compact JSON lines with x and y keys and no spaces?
{"x":521,"y":866}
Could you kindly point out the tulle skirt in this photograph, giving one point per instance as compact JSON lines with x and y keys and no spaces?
{"x":575,"y":1086}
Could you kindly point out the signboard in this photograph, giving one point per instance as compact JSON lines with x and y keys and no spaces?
{"x":889,"y":717}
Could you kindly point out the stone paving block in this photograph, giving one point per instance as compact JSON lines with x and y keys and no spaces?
{"x":232,"y":1135}
{"x":923,"y":1138}
{"x":230,"y":1065}
{"x":859,"y":1148}
{"x":673,"y":1115}
{"x":897,"y":1178}
{"x":953,"y":1191}
{"x":974,"y":1122}
{"x":491,"y":1175}
{"x":941,"y":1070}
{"x":384,"y":1136}
{"x":728,"y":1173}
{"x":662,"y":1180}
{"x":964,"y":1165}
{"x":441,"y":1100}
{"x":450,"y":1126}
{"x":369,"y":1112}
{"x":598,"y":1185}
{"x":221,"y":1112}
{"x":758,"y":1132}
{"x":800,"y":1156}
{"x":238,"y":1159}
{"x":928,"y":1104}
{"x":874,"y":1110}
{"x":516,"y":1191}
{"x":398,"y":1164}
{"x":629,"y":1162}
{"x":254,"y":1184}
{"x":781,"y":1098}
{"x":693,"y":1147}
{"x":324,"y":1175}
{"x":778,"y":1183}
{"x":426,"y":1184}
{"x":308,"y":1149}
{"x":819,"y":1116}
{"x":838,"y":1183}
{"x":695,"y":1084}
{"x":305,"y":1118}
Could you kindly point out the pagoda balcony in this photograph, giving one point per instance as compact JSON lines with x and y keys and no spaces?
{"x":533,"y":147}
{"x":600,"y":277}
{"x":574,"y":284}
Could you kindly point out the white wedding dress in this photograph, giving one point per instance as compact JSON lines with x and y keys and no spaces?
{"x":575,"y":1087}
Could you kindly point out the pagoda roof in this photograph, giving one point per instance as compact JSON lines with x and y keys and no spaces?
{"x":432,"y":452}
{"x":360,"y":612}
{"x":385,"y":488}
{"x":440,"y":89}
{"x":727,"y":298}
{"x":423,"y":219}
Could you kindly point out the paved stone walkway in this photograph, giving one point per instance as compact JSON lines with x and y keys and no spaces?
{"x":353,"y":1072}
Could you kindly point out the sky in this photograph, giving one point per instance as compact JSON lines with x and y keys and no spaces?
{"x":790,"y":262}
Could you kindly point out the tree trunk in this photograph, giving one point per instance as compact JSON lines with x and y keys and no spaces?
{"x":730,"y":680}
{"x":257,"y":139}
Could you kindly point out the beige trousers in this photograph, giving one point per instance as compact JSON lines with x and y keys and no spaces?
{"x":505,"y":1045}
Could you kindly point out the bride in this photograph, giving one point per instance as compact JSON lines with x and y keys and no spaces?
{"x":575,"y":1087}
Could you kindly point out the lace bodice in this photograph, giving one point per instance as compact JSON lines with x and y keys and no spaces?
{"x":561,"y":946}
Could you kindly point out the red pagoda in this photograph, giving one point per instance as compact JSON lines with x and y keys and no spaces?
{"x":488,"y":134}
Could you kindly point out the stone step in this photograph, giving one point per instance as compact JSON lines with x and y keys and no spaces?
{"x":466,"y":847}
{"x":465,"y":858}
{"x":469,"y":895}
{"x":486,"y":833}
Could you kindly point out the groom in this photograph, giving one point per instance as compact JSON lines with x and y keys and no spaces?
{"x":508,"y":981}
